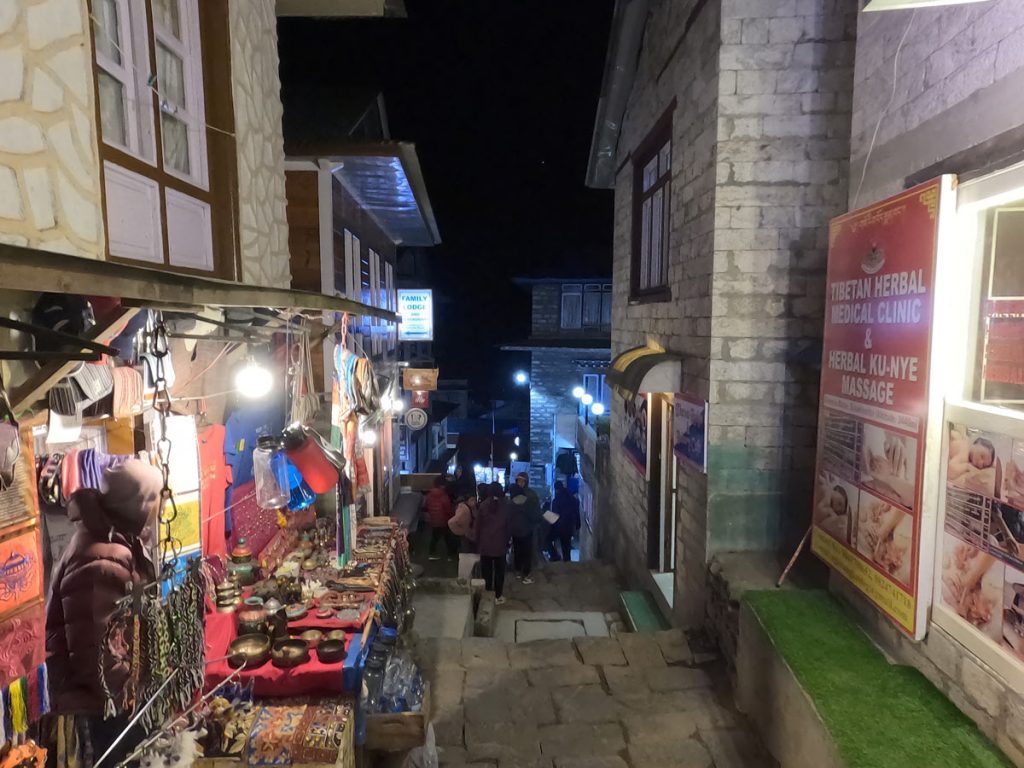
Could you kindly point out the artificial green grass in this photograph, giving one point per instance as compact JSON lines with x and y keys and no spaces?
{"x":879,"y":715}
{"x":642,"y":612}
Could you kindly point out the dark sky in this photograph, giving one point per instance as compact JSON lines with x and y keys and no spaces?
{"x":500,"y":99}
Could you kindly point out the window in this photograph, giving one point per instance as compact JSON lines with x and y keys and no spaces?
{"x":161,"y":207}
{"x":591,"y":306}
{"x":606,"y":306}
{"x":593,"y":385}
{"x":652,"y":188}
{"x":572,"y":306}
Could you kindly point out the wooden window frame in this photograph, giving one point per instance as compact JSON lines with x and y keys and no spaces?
{"x":591,"y":289}
{"x":221,"y":184}
{"x":649,"y":149}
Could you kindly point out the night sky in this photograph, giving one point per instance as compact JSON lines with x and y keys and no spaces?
{"x":499,"y":98}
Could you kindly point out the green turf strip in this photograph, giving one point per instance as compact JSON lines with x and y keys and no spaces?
{"x":879,"y":715}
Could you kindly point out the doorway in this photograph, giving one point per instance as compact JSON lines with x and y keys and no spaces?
{"x":662,"y":493}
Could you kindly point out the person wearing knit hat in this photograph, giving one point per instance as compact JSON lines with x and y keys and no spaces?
{"x":106,"y":552}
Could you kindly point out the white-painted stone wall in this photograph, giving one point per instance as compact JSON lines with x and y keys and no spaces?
{"x":49,"y":163}
{"x":958,"y":83}
{"x":256,"y":88}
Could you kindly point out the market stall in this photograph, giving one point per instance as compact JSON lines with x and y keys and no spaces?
{"x":259,"y":532}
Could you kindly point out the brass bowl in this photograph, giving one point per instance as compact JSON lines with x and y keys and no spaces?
{"x":331,"y":651}
{"x":296,"y":611}
{"x":251,"y":650}
{"x":312,"y":637}
{"x":336,"y":634}
{"x":289,"y":653}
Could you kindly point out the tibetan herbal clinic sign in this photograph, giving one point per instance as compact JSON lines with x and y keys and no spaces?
{"x":416,"y":306}
{"x":874,"y":398}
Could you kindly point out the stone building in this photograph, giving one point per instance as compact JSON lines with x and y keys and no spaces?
{"x":568,"y":348}
{"x":170,"y":157}
{"x":724,"y":130}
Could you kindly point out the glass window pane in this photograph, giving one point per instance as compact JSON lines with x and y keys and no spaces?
{"x":645,"y":244}
{"x":591,"y":309}
{"x":112,"y":109}
{"x":1007,"y":263}
{"x":170,"y":71}
{"x":174,"y":134}
{"x":657,"y":230}
{"x":665,"y":162}
{"x":106,"y":29}
{"x":666,"y":219}
{"x":167,"y":14}
{"x":606,"y":308}
{"x":650,"y":173}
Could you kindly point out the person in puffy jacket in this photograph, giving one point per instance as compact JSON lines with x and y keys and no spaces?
{"x":526,"y":519}
{"x":567,"y":507}
{"x":107,"y":551}
{"x":492,"y":533}
{"x":438,"y":506}
{"x":461,"y":525}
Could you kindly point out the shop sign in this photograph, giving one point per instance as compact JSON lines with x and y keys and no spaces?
{"x":636,"y":442}
{"x":416,"y":308}
{"x":979,"y":587}
{"x":874,"y":399}
{"x":416,"y":419}
{"x":689,"y":431}
{"x":419,"y":379}
{"x":420,"y":399}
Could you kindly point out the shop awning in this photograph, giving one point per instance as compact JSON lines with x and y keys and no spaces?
{"x":385,"y":179}
{"x":645,"y":369}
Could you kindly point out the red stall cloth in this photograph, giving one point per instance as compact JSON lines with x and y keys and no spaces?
{"x":310,"y":678}
{"x":214,"y":480}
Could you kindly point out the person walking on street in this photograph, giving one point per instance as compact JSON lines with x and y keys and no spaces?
{"x":491,"y":531}
{"x":526,"y":517}
{"x":438,"y":506}
{"x":461,"y":525}
{"x":567,"y":507}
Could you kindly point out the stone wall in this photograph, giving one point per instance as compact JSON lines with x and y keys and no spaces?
{"x":760,"y":132}
{"x":681,"y":65}
{"x":958,"y":84}
{"x":256,"y":89}
{"x":547,"y":309}
{"x":553,"y":374}
{"x":785,"y":90}
{"x":49,"y":163}
{"x":967,"y":681}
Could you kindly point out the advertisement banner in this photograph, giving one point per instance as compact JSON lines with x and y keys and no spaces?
{"x":980,"y":566}
{"x":874,"y":398}
{"x":689,"y":431}
{"x":635,"y":428}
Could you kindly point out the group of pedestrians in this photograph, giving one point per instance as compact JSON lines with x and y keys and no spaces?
{"x":483,"y":524}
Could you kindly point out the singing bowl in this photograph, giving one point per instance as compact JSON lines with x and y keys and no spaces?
{"x":252,"y":650}
{"x":311,"y":637}
{"x":336,"y":634}
{"x":289,"y":653}
{"x":331,"y":651}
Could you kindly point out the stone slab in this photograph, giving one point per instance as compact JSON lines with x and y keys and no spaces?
{"x":734,"y":748}
{"x":626,"y":682}
{"x":585,"y":704}
{"x":674,"y":646}
{"x":432,"y":652}
{"x":567,"y":675}
{"x":500,"y":678}
{"x":497,"y":740}
{"x":542,"y":653}
{"x":641,"y":650}
{"x":580,"y":739}
{"x":590,"y":762}
{"x":528,"y":630}
{"x":688,"y":754}
{"x":509,"y":622}
{"x":602,"y":651}
{"x":676,"y":678}
{"x":658,"y":727}
{"x":487,"y":652}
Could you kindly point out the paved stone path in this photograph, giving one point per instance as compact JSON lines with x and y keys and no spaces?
{"x":627,"y":701}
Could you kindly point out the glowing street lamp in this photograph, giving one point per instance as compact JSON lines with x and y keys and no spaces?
{"x":587,"y":400}
{"x":520,"y":378}
{"x":578,"y":392}
{"x":597,"y":409}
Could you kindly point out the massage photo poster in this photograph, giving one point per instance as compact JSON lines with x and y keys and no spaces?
{"x":979,"y":587}
{"x":873,"y":409}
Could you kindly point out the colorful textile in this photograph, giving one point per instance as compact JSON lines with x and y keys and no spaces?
{"x":214,"y":481}
{"x":324,"y":733}
{"x":271,"y":740}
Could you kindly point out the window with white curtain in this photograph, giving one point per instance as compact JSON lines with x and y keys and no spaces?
{"x":606,"y":306}
{"x":652,"y":202}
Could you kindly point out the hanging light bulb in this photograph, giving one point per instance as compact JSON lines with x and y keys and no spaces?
{"x":398,"y":405}
{"x":368,"y":437}
{"x":514,"y":456}
{"x":578,"y":392}
{"x":587,"y":399}
{"x":386,"y":403}
{"x":597,"y":409}
{"x":253,"y":380}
